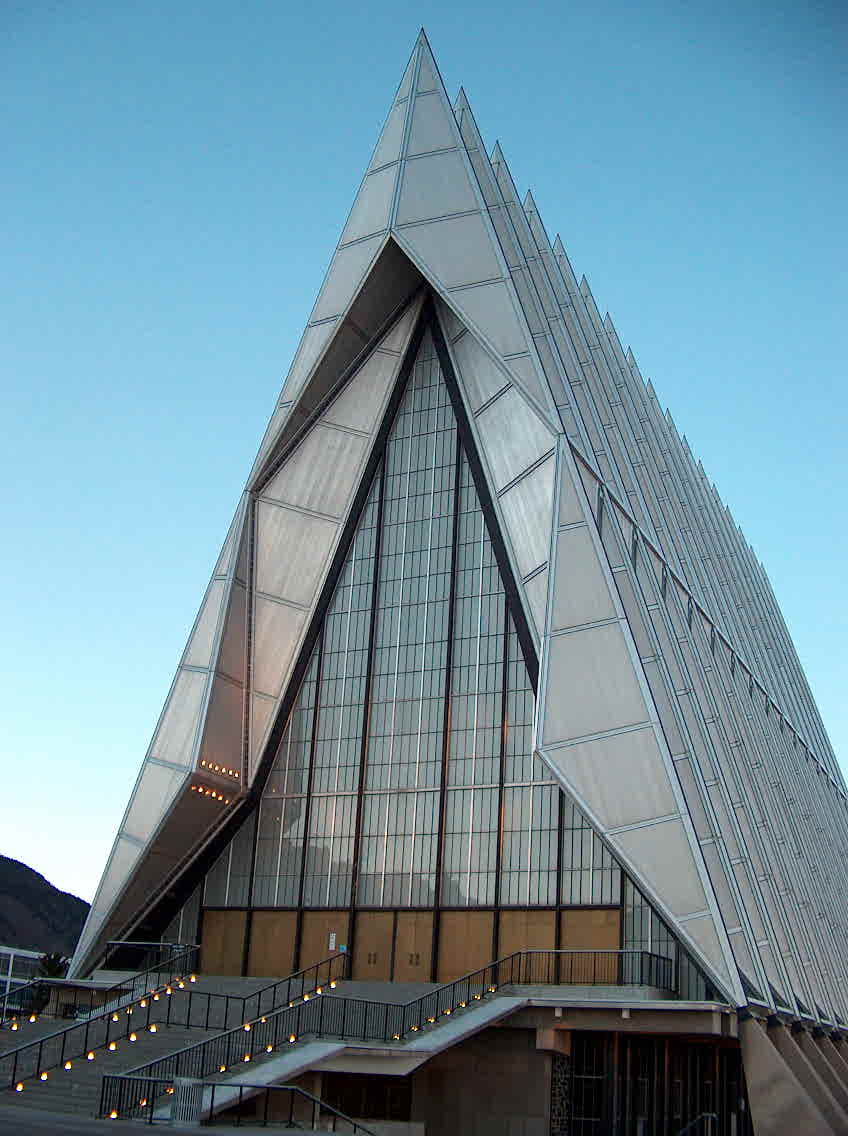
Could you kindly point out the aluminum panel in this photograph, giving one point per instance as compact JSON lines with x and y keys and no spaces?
{"x":435,"y":186}
{"x":701,"y":931}
{"x":272,"y":430}
{"x":155,"y":790}
{"x":199,"y":650}
{"x":391,"y":140}
{"x":489,"y":309}
{"x":456,"y":251}
{"x":536,"y":591}
{"x":592,"y":685}
{"x":359,"y":404}
{"x":581,"y":593}
{"x":276,"y":631}
{"x":661,"y":854}
{"x":222,"y":738}
{"x":346,"y":273}
{"x":370,"y":212}
{"x":527,"y":510}
{"x":479,"y":376}
{"x":620,"y":777}
{"x":451,"y":324}
{"x":406,"y":82}
{"x":261,"y":714}
{"x":398,"y":336}
{"x":291,"y":552}
{"x":513,"y":437}
{"x":570,"y":503}
{"x":433,"y":126}
{"x":320,"y":474}
{"x":124,"y":854}
{"x":174,"y":738}
{"x":232,"y":654}
{"x":312,"y":345}
{"x":526,"y":372}
{"x":225,"y":560}
{"x":428,"y":79}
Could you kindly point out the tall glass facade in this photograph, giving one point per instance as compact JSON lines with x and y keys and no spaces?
{"x":406,"y":776}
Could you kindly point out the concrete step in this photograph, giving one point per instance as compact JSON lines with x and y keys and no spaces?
{"x":78,"y":1089}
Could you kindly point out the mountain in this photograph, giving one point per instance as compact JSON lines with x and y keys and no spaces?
{"x":34,"y":914}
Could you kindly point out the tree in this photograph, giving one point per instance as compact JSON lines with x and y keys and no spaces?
{"x":53,"y":965}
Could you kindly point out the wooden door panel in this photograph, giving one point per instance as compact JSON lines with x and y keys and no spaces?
{"x":413,"y":946}
{"x":324,"y":933}
{"x":222,"y":949}
{"x":591,"y":930}
{"x":272,"y":935}
{"x":465,"y":942}
{"x":531,"y":930}
{"x":372,"y":956}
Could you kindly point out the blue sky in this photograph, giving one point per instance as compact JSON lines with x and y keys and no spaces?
{"x":176,"y":176}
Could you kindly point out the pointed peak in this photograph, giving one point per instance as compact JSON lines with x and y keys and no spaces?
{"x":497,"y":154}
{"x":461,"y":101}
{"x":530,"y":205}
{"x":649,"y":385}
{"x":559,"y":247}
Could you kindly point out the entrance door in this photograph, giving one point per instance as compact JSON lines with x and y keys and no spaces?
{"x":592,"y":930}
{"x":413,"y":946}
{"x":222,"y":948}
{"x":372,"y":953}
{"x":465,"y":942}
{"x":324,"y":933}
{"x":272,"y":936}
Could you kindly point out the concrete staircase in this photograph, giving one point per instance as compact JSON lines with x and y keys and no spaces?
{"x":77,"y":1090}
{"x":197,"y":1012}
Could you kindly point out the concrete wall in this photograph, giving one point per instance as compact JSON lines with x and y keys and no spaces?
{"x":494,"y":1084}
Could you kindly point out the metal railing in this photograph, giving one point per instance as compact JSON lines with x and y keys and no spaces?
{"x":712,"y":1117}
{"x":172,"y":958}
{"x":138,"y":1006}
{"x":176,"y":1003}
{"x":131,"y":1097}
{"x":316,"y":1014}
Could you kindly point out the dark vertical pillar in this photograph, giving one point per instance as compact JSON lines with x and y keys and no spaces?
{"x":446,"y":721}
{"x":501,"y":775}
{"x":366,"y":712}
{"x":307,"y":813}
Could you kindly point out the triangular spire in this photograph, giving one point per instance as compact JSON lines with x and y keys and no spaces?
{"x":633,"y":714}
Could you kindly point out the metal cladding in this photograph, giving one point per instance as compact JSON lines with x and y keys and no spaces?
{"x":671,"y":707}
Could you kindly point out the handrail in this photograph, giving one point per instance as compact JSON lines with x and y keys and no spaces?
{"x":184,"y":960}
{"x":316,"y":1014}
{"x":700,"y":1116}
{"x":199,"y":1009}
{"x":119,"y":1097}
